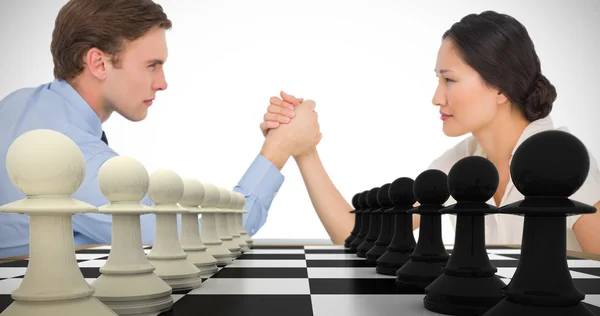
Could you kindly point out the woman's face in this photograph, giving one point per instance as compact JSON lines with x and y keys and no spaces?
{"x":466,"y":103}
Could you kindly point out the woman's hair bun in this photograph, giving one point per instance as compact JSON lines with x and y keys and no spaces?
{"x":538,"y":102}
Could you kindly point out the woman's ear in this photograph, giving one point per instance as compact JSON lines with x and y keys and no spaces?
{"x":501,"y":98}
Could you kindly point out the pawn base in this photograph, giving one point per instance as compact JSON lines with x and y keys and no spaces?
{"x":91,"y":305}
{"x":454,"y":295}
{"x":349,"y":240}
{"x":506,"y":307}
{"x":133,"y":294}
{"x":204,"y":261}
{"x":355,"y":243}
{"x":220,"y":253}
{"x":247,"y":239}
{"x":418,"y":274}
{"x":391,"y":261}
{"x":180,"y":274}
{"x":374,"y":254}
{"x":233,"y":248}
{"x":224,"y":261}
{"x":238,"y":241}
{"x":208,"y":270}
{"x":364,"y":247}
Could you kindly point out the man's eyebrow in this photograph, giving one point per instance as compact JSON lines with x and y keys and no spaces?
{"x":156,"y":61}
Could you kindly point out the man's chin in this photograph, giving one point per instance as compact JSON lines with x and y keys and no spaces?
{"x":135,"y":117}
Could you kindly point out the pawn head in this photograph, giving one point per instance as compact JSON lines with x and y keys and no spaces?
{"x":166,"y":187}
{"x":383,"y":196}
{"x":45,"y":162}
{"x":372,"y":198}
{"x":473,"y":179}
{"x":211,"y":195}
{"x":431,"y":187}
{"x":550,"y":163}
{"x":193,"y":192}
{"x":362,"y":200}
{"x":401,"y":192}
{"x":224,"y":198}
{"x":123,"y":179}
{"x":242,"y":200}
{"x":355,"y":201}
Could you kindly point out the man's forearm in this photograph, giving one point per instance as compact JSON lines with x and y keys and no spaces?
{"x":273,"y":151}
{"x":331,"y":207}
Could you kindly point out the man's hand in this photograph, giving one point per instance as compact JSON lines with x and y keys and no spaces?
{"x":280,"y":111}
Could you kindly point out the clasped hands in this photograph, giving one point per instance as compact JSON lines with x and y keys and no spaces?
{"x":290,"y":127}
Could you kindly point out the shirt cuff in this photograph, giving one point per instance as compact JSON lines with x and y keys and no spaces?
{"x":262,"y":179}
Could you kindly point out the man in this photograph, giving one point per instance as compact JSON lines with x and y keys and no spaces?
{"x":108,"y":57}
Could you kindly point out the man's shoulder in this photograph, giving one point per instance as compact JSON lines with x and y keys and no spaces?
{"x":30,"y":101}
{"x":38,"y":107}
{"x":20,"y":95}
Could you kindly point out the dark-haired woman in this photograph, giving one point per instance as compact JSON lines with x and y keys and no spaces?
{"x":490,"y":86}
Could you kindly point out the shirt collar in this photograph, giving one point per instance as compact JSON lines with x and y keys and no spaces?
{"x":78,"y":104}
{"x":543,"y":124}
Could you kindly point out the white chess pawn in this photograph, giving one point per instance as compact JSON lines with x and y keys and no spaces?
{"x":48,"y":167}
{"x":171,"y":262}
{"x":209,"y":233}
{"x":240,"y":220}
{"x":232,"y":219}
{"x":236,"y":198}
{"x":222,"y":227}
{"x":128,"y":284}
{"x":191,"y":242}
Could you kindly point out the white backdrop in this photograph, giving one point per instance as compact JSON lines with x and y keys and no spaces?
{"x":368,"y":65}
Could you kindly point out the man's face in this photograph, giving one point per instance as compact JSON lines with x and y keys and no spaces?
{"x":130,"y":88}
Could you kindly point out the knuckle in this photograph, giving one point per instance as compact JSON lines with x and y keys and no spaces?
{"x":266,"y":116}
{"x":282,"y":118}
{"x":273,"y":108}
{"x":274,"y":100}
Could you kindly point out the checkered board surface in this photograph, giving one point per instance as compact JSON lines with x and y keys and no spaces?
{"x":303,"y":280}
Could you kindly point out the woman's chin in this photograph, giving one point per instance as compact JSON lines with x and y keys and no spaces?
{"x":452,"y":130}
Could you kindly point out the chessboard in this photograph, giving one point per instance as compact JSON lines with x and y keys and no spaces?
{"x":303,"y":280}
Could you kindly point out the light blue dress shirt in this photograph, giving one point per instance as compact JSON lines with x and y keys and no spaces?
{"x":57,"y":106}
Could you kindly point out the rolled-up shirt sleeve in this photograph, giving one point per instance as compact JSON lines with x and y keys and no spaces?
{"x":259,"y":185}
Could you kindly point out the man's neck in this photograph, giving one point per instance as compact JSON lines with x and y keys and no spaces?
{"x":91,"y":92}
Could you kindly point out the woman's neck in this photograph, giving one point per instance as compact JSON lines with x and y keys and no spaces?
{"x":499,"y":138}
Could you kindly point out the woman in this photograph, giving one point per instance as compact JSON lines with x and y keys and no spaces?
{"x":491,"y":86}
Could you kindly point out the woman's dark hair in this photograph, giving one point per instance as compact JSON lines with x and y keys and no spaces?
{"x":499,"y":48}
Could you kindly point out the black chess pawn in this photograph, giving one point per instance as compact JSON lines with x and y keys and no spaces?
{"x":374,"y":224}
{"x":430,"y":255}
{"x":386,"y":227}
{"x":364,"y":222}
{"x":403,"y":239}
{"x":469,"y":284}
{"x":547,"y":168}
{"x":357,"y":219}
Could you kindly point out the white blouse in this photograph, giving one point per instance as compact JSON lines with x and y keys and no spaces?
{"x":506,"y":228}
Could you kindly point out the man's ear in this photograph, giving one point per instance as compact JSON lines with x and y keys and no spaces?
{"x":96,"y":62}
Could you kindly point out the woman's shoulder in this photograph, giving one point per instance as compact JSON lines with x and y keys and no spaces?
{"x":464,"y":148}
